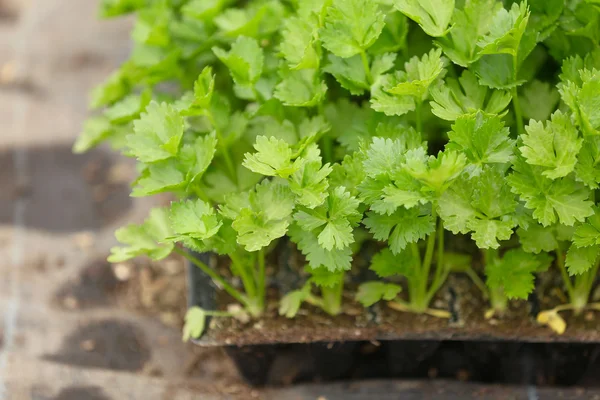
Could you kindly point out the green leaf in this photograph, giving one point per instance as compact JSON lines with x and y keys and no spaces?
{"x":273,"y":157}
{"x":386,"y":156}
{"x":114,"y":88}
{"x":401,"y":228}
{"x":588,"y":233}
{"x":536,"y":238}
{"x":538,"y":100}
{"x":201,"y":98}
{"x":95,"y":131}
{"x":506,"y":30}
{"x":204,"y":9}
{"x":583,"y":99}
{"x":436,"y":173}
{"x":561,"y":200}
{"x":262,"y":215}
{"x":482,"y":205}
{"x":420,"y":74}
{"x":579,"y":260}
{"x":432,"y":15}
{"x":351,"y":26}
{"x":334,"y":219}
{"x":514,"y":273}
{"x":554,"y":146}
{"x":195,"y":323}
{"x":466,"y":96}
{"x":152,"y":26}
{"x":303,"y":88}
{"x":157,"y":134}
{"x":307,"y":241}
{"x":496,"y":71}
{"x":129,"y":108}
{"x":483,"y":139}
{"x":245,"y":61}
{"x":289,"y":305}
{"x":194,"y":219}
{"x":587,"y":168}
{"x":298,"y":43}
{"x":469,"y":24}
{"x":145,"y":239}
{"x":349,"y":72}
{"x":310,"y":183}
{"x":385,"y":263}
{"x":370,"y":293}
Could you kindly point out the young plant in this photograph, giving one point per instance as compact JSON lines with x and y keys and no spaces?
{"x":306,"y":119}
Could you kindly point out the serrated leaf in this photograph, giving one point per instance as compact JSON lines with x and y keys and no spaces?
{"x":451,"y":100}
{"x":145,"y":239}
{"x":194,"y":219}
{"x":157,"y":134}
{"x":538,"y":100}
{"x":302,"y":88}
{"x":351,"y":26}
{"x":561,"y":200}
{"x":432,"y":15}
{"x":401,"y":228}
{"x":554,"y":146}
{"x":289,"y":305}
{"x":483,"y":139}
{"x":514,"y":272}
{"x":273,"y":157}
{"x":579,"y":260}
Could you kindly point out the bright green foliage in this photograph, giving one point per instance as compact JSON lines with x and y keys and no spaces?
{"x":514,"y":272}
{"x":554,"y":146}
{"x":506,"y":30}
{"x":583,"y":98}
{"x":482,"y":205}
{"x":352,"y":127}
{"x":261,"y":215}
{"x":334,"y":219}
{"x":157,"y":134}
{"x":351,"y":26}
{"x":370,"y":293}
{"x":581,"y":259}
{"x":466,"y":96}
{"x":560,"y":200}
{"x":469,"y":25}
{"x":145,"y":239}
{"x":404,"y":226}
{"x":195,"y":323}
{"x":588,"y":233}
{"x":398,"y":93}
{"x":432,"y":15}
{"x":483,"y":139}
{"x":273,"y":157}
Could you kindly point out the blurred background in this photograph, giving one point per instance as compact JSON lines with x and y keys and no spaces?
{"x":73,"y":326}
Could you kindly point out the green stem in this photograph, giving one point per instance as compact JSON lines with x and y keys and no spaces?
{"x":243,"y":272}
{"x":225,"y":152}
{"x":332,"y":298}
{"x":478,"y":282}
{"x":233,"y":292}
{"x":365,"y":62}
{"x":261,"y":278}
{"x":419,"y":117}
{"x":426,"y":266}
{"x":440,"y":250}
{"x":515,"y":99}
{"x":498,"y":299}
{"x":560,"y":261}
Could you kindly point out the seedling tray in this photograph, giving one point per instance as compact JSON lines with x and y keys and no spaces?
{"x":379,"y":342}
{"x":382,"y":323}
